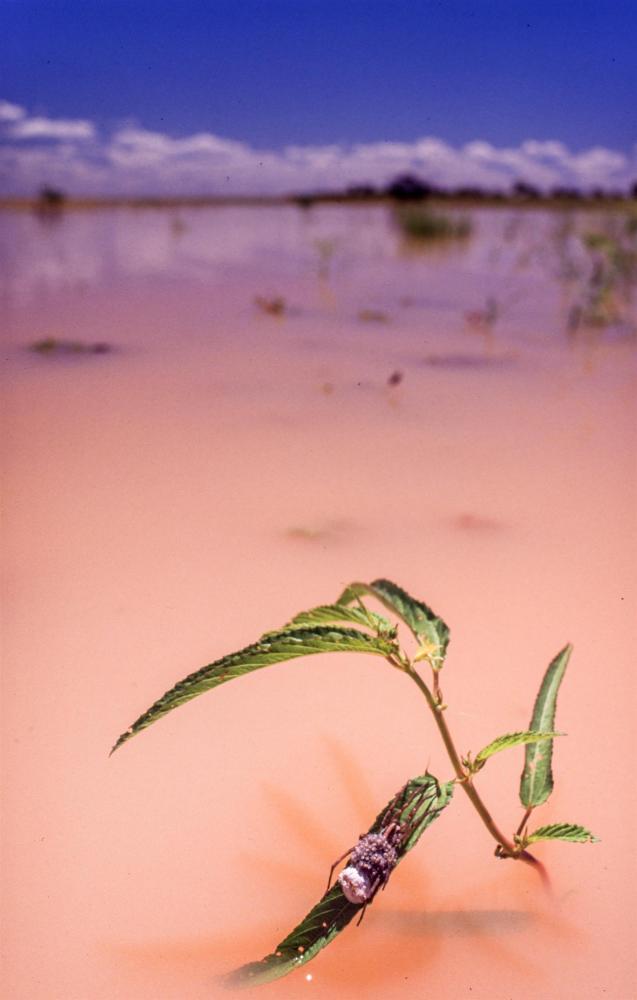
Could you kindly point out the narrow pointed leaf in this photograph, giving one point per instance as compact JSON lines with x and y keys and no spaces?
{"x":430,"y":630}
{"x":275,"y":648}
{"x":562,"y":831}
{"x":536,"y":783}
{"x":512,"y":740}
{"x":333,"y":912}
{"x":326,"y":613}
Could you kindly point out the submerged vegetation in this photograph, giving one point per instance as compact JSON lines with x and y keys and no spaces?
{"x":349,"y":625}
{"x":421,"y":224}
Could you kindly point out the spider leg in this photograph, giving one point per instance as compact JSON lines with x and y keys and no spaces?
{"x":414,"y":804}
{"x":436,"y":783}
{"x":391,"y":808}
{"x":358,"y":922}
{"x":411,"y":806}
{"x":337,"y":862}
{"x":376,"y":886}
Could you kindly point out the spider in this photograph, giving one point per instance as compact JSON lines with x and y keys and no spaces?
{"x":375,"y":856}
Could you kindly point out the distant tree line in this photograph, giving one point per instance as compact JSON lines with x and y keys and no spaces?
{"x":405,"y":188}
{"x":409,"y":187}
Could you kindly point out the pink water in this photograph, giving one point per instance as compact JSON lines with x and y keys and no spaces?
{"x":222,"y":469}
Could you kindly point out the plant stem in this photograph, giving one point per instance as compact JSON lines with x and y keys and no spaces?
{"x":524,"y":821}
{"x":506,"y":847}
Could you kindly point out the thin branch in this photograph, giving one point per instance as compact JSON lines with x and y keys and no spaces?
{"x":506,"y":847}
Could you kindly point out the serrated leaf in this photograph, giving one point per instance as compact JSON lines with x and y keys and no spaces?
{"x":536,"y":783}
{"x":274,"y":648}
{"x":430,"y":630}
{"x":333,"y":912}
{"x":326,"y":613}
{"x":562,"y":831}
{"x":512,"y":740}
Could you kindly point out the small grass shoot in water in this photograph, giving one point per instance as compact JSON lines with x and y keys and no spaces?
{"x":349,"y":625}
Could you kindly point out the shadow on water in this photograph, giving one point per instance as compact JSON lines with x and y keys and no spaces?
{"x":458,"y":923}
{"x":367,"y":956}
{"x":385,"y":950}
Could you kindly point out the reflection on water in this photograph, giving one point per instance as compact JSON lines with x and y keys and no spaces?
{"x":529,"y":273}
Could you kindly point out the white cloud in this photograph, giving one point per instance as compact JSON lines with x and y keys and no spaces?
{"x":551,"y":149}
{"x":10,"y":112}
{"x":131,"y":147}
{"x":52,"y":128}
{"x":70,"y":154}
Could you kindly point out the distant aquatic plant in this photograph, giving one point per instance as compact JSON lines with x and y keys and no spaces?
{"x":349,"y":625}
{"x":421,"y":224}
{"x":50,"y":199}
{"x":611,"y":277}
{"x":484,"y":319}
{"x":325,"y":248}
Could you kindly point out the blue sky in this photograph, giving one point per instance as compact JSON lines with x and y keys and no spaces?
{"x":270,"y":75}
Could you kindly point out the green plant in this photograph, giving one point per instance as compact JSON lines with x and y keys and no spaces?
{"x":349,"y":625}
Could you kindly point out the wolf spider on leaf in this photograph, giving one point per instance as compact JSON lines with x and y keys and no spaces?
{"x":376,"y":854}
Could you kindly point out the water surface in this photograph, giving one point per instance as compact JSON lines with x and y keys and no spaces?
{"x":224,"y":466}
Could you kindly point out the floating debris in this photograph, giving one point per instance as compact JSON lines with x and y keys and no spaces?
{"x":275,"y":306}
{"x":51,"y":345}
{"x":468,"y":360}
{"x":373,"y":316}
{"x":306,"y":534}
{"x":321,"y":533}
{"x":395,"y":378}
{"x":475,"y":523}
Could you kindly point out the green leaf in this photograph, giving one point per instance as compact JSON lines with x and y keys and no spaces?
{"x":326,"y":613}
{"x":333,"y":912}
{"x":562,"y":831}
{"x":430,"y":630}
{"x":512,"y":740}
{"x":536,"y":783}
{"x":274,"y":648}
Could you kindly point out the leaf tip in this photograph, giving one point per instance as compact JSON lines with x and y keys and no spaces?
{"x":121,"y":740}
